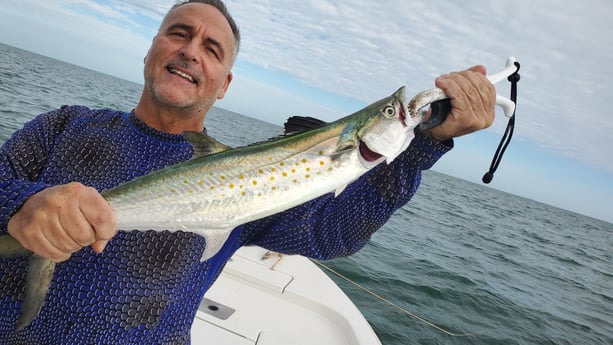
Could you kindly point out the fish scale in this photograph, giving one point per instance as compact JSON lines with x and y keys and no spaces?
{"x":217,"y":198}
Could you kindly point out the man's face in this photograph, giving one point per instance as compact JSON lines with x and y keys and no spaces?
{"x":189,"y":63}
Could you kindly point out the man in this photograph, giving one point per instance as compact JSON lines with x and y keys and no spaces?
{"x":144,"y":287}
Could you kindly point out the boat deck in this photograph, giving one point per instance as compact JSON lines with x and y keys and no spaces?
{"x":267,"y":298}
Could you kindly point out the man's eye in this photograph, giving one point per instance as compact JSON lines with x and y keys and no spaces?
{"x":214,"y":52}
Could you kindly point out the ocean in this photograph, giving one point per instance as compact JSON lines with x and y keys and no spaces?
{"x":483,"y":266}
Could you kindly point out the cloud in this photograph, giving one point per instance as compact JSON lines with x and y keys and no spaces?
{"x":365,"y":50}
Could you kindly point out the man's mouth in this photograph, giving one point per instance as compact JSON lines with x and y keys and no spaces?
{"x":182,"y":74}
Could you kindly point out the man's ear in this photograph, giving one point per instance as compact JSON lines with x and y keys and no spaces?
{"x":226,"y":84}
{"x":149,"y":50}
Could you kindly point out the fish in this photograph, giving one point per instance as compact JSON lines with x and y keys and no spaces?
{"x":221,"y":188}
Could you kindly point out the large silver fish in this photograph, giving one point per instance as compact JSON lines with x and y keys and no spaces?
{"x":221,"y":188}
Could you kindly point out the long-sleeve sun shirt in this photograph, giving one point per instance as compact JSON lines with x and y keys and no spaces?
{"x":145,"y":288}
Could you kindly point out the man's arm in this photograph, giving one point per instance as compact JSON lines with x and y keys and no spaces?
{"x":52,"y":222}
{"x":330,"y":226}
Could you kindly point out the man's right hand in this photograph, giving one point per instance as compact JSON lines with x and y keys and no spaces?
{"x":60,"y":220}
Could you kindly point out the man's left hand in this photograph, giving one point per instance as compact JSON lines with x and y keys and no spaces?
{"x":473,"y":99}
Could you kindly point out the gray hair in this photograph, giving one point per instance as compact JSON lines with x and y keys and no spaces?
{"x":218,"y":4}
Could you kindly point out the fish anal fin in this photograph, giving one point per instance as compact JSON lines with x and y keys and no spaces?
{"x":215,"y":239}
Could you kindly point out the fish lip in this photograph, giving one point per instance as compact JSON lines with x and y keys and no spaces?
{"x":173,"y":69}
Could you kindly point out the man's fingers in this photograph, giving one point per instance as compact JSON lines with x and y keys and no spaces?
{"x":60,"y":220}
{"x":99,"y":246}
{"x":472,"y":98}
{"x":478,"y":68}
{"x":42,"y":246}
{"x":55,"y":234}
{"x":98,"y":214}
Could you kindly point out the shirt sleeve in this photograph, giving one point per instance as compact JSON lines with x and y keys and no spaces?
{"x":23,"y":158}
{"x":329,"y":226}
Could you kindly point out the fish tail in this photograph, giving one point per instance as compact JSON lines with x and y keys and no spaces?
{"x":10,"y":248}
{"x":40,"y":273}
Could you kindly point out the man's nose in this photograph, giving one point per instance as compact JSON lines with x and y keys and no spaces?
{"x":189,"y":51}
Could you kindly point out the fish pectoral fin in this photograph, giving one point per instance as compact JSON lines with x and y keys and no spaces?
{"x":11,"y":248}
{"x":38,"y":280}
{"x":203,"y":145}
{"x":215,"y":239}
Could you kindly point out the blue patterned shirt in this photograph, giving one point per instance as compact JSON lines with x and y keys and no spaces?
{"x":145,"y":288}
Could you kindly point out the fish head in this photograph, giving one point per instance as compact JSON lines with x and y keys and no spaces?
{"x":388,"y":131}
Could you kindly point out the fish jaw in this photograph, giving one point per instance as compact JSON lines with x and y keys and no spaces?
{"x":390,"y":132}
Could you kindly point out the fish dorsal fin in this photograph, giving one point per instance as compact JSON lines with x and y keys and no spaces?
{"x":296,"y":124}
{"x":203,"y":144}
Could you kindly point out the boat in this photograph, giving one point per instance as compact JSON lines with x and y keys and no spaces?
{"x":267,"y":298}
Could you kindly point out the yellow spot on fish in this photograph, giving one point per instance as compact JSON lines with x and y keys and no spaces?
{"x":322,"y":163}
{"x":308,"y":169}
{"x":255,"y":182}
{"x":282,"y":164}
{"x":270,"y":159}
{"x":173,"y":191}
{"x":243,"y":193}
{"x":272,"y":178}
{"x":222,"y":177}
{"x":273,"y":170}
{"x":295,"y":181}
{"x":261,"y":171}
{"x":284,"y":174}
{"x":304,"y":160}
{"x":201,"y":182}
{"x":186,"y":181}
{"x":191,"y":191}
{"x":321,"y":152}
{"x":307,"y":176}
{"x":274,"y":188}
{"x":231,"y":186}
{"x":293,"y":171}
{"x":241,"y":177}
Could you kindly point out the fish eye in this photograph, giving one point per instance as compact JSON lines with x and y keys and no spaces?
{"x":389,"y":111}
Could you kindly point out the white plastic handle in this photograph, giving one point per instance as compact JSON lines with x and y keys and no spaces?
{"x":508,"y":106}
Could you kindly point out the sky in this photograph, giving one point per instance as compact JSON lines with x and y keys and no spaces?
{"x":328,"y":59}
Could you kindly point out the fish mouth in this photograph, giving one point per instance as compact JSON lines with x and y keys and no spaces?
{"x":183,"y":74}
{"x":367,"y":154}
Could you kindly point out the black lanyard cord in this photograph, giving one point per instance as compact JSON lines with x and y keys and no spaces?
{"x":508,"y":133}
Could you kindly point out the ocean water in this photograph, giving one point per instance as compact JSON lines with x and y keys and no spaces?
{"x":487,"y":266}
